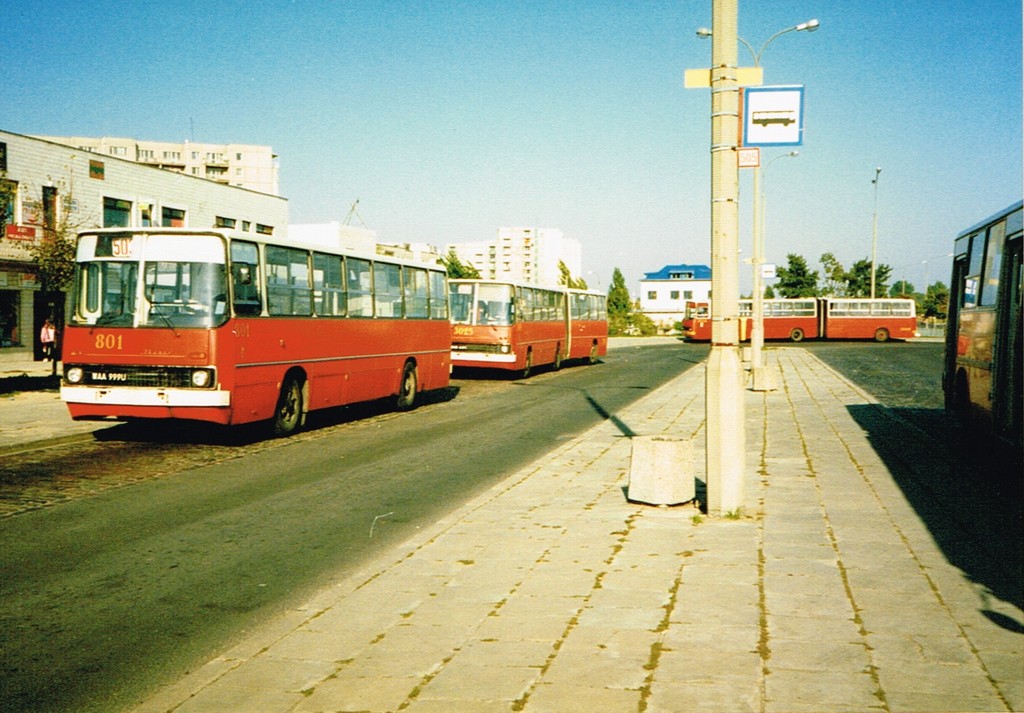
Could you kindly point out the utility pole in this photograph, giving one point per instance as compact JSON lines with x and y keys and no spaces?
{"x":724,"y":394}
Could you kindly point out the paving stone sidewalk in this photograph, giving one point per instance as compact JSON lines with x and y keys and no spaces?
{"x":553,"y":593}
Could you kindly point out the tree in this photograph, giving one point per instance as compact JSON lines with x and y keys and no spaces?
{"x":797,"y":280}
{"x":621,"y":317}
{"x":566,"y":278}
{"x":834,"y":276}
{"x":456,"y":268}
{"x":618,"y":295}
{"x":936,"y":301}
{"x":858,"y":279}
{"x":901,"y":288}
{"x":54,"y":251}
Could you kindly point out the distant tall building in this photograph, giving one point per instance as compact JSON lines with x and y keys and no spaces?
{"x":241,"y":165}
{"x":522,"y":254}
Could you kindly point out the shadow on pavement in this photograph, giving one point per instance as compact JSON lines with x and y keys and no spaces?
{"x":211,"y":434}
{"x":966,"y":490}
{"x":24,"y":382}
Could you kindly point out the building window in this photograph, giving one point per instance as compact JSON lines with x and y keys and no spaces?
{"x":195,"y":155}
{"x":116,"y":213}
{"x":264,"y":229}
{"x":246,"y":226}
{"x":238,"y":157}
{"x":8,"y":199}
{"x":118,"y":151}
{"x":172,"y":218}
{"x":687,"y":294}
{"x":146,"y":155}
{"x":673,"y":295}
{"x":172,"y":155}
{"x":652,"y":295}
{"x":222,"y":222}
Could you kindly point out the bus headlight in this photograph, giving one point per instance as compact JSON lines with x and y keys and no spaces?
{"x":201,"y":378}
{"x":74,"y":375}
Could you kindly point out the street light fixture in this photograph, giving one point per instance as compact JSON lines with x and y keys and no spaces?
{"x":874,"y":231}
{"x":809,"y":26}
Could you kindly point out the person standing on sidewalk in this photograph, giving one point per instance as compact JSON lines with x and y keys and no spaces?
{"x":48,"y":338}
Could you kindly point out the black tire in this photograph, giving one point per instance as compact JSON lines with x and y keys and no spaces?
{"x":288,"y":414}
{"x":881,"y":335}
{"x":406,"y":398}
{"x":797,"y":335}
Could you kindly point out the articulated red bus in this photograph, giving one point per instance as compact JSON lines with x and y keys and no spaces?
{"x":231,"y":328}
{"x":815,"y":318}
{"x":513,"y":326}
{"x":983,"y":364}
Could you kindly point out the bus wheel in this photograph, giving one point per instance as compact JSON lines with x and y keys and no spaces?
{"x":529,"y":364}
{"x":882,"y":334}
{"x":592,"y":359}
{"x":407,"y":389}
{"x":558,"y":357}
{"x":288,"y":414}
{"x":797,"y":335}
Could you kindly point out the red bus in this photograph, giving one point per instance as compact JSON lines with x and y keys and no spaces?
{"x":231,"y":328}
{"x":815,"y":318}
{"x":983,"y":366}
{"x":507,"y":325}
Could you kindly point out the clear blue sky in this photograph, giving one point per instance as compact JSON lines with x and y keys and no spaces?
{"x":450,"y":119}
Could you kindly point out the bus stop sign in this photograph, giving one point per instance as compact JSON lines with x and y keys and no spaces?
{"x":773,"y":116}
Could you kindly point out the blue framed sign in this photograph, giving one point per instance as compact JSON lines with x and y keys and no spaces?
{"x":773,"y":116}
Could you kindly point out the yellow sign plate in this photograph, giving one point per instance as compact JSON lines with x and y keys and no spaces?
{"x":745,"y":77}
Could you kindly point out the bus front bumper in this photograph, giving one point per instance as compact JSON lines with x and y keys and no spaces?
{"x":161,"y":398}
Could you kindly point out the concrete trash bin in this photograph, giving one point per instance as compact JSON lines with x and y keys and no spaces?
{"x":661,"y":471}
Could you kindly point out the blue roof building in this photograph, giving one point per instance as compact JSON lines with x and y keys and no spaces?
{"x":665,"y":292}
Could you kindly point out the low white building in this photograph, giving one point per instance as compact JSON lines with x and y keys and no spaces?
{"x":664,"y":293}
{"x":43,"y":183}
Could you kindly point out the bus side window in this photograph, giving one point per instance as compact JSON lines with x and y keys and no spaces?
{"x":245,"y":279}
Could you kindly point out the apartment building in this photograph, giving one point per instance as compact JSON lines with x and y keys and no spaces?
{"x":522,"y":254}
{"x":239,"y":165}
{"x":43,"y":183}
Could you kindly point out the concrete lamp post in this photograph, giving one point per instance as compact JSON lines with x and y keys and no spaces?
{"x":760,"y":376}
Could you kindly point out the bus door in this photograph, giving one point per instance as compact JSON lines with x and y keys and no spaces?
{"x":1007,"y":371}
{"x":956,"y":301}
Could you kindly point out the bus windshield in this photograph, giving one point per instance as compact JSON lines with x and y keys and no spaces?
{"x":482,"y":303}
{"x":167,"y":281}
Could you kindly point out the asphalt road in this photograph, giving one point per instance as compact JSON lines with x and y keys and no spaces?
{"x":170,"y":543}
{"x":108,"y":595}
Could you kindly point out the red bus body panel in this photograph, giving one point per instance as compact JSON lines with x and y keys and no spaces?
{"x":544,"y":339}
{"x":344,"y":360}
{"x":589,"y":339}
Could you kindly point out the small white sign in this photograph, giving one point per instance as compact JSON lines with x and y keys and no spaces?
{"x":773,"y":116}
{"x":768,"y":271}
{"x":748,"y":158}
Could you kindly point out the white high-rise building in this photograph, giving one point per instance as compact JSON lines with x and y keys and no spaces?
{"x":523,"y":255}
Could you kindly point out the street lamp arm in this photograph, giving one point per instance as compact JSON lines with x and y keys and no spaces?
{"x":809,"y":26}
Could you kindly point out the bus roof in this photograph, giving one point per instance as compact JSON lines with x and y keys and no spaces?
{"x":274,"y":240}
{"x":991,"y":219}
